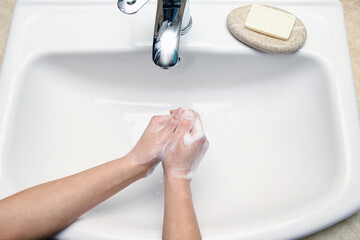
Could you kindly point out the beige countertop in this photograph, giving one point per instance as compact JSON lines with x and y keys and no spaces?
{"x":348,"y":229}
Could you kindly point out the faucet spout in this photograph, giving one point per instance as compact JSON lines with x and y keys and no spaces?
{"x":171,"y":15}
{"x":172,"y":20}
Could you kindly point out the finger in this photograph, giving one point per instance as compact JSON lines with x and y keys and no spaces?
{"x":185,"y":125}
{"x":197,"y":115}
{"x":197,"y":131}
{"x":173,"y":110}
{"x":170,"y":125}
{"x":163,"y":119}
{"x":158,"y":122}
{"x":177,"y":113}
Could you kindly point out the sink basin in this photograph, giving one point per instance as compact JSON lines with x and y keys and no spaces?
{"x":283,"y":160}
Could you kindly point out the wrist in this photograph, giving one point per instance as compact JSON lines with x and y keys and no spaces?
{"x":144,"y":168}
{"x":185,"y":175}
{"x":178,"y":187}
{"x":174,"y":180}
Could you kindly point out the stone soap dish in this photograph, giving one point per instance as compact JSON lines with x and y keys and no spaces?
{"x":235,"y":24}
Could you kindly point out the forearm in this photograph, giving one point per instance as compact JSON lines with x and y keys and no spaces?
{"x":179,"y":215}
{"x":47,"y":208}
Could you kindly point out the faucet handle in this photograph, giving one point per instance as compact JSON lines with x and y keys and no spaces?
{"x":131,"y":6}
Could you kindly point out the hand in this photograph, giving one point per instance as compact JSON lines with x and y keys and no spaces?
{"x":186,"y":147}
{"x":148,"y":149}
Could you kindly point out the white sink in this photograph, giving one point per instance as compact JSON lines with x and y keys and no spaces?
{"x":78,"y":86}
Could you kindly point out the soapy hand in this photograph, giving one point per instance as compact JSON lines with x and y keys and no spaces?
{"x":149,"y":147}
{"x":186,"y":147}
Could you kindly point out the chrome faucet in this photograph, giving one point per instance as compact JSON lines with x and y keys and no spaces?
{"x":172,"y":20}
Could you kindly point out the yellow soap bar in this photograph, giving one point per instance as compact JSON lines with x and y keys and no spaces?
{"x":270,"y":22}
